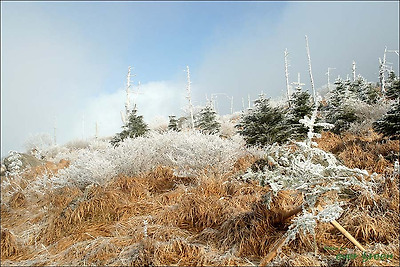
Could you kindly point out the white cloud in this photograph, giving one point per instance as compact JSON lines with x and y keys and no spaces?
{"x":155,"y":99}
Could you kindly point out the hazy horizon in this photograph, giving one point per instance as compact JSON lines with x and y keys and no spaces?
{"x":65,"y":60}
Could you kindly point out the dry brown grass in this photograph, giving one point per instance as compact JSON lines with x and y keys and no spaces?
{"x":9,"y":245}
{"x":158,"y":218}
{"x":370,"y":152}
{"x":17,"y":200}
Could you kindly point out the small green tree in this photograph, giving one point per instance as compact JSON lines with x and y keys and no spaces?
{"x":173,"y":124}
{"x":206,"y":121}
{"x":340,"y":110}
{"x":264,"y":124}
{"x":134,"y":127}
{"x":364,"y":90}
{"x":389,"y":124}
{"x":300,"y":105}
{"x":392,"y":86}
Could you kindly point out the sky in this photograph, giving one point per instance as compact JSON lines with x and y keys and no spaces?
{"x":64,"y":64}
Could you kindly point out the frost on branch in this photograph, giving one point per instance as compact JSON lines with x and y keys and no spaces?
{"x":305,"y":223}
{"x":330,"y":213}
{"x":310,"y":124}
{"x":311,"y":171}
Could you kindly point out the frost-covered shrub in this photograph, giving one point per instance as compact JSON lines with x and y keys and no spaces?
{"x":38,"y":144}
{"x":367,"y":115}
{"x":228,"y":125}
{"x":311,"y":171}
{"x":89,"y":167}
{"x":330,"y":213}
{"x":13,"y":168}
{"x":77,"y":144}
{"x":159,"y":124}
{"x":188,"y":153}
{"x":305,"y":223}
{"x":14,"y":164}
{"x":56,"y":153}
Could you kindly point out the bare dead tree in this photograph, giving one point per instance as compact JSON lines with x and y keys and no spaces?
{"x":310,"y":71}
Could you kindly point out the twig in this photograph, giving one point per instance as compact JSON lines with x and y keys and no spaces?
{"x":272,"y":254}
{"x":348,"y":235}
{"x":343,"y":231}
{"x":288,"y":214}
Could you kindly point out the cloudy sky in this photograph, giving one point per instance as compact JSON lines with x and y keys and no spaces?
{"x":65,"y":61}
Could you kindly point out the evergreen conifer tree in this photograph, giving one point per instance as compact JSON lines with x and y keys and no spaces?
{"x":393,"y":86}
{"x":206,"y":121}
{"x":263,"y":124}
{"x":389,"y":124}
{"x":340,"y":110}
{"x":364,"y":91}
{"x":300,"y":105}
{"x":173,"y":124}
{"x":134,"y":127}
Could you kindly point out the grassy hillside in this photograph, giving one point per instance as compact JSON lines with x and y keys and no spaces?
{"x":190,"y":199}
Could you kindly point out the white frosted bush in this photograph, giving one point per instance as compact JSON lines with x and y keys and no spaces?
{"x":159,"y":124}
{"x":90,"y":167}
{"x":309,"y":170}
{"x":313,"y":172}
{"x":77,"y":144}
{"x":188,"y":153}
{"x":38,"y":143}
{"x":14,"y":167}
{"x":367,"y":114}
{"x":228,"y":123}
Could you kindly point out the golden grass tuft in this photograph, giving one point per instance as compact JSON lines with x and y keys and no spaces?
{"x":371,"y":152}
{"x":180,"y":252}
{"x":243,"y":163}
{"x":17,"y":200}
{"x":49,"y":168}
{"x":9,"y":245}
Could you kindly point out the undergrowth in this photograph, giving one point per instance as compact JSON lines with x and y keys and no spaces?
{"x":160,"y":216}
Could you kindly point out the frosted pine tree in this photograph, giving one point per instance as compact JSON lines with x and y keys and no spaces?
{"x":206,"y":121}
{"x":392,"y":86}
{"x":300,"y":105}
{"x":366,"y":92}
{"x":134,"y":127}
{"x":389,"y":124}
{"x":340,"y":107}
{"x":263,"y":125}
{"x":173,"y":124}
